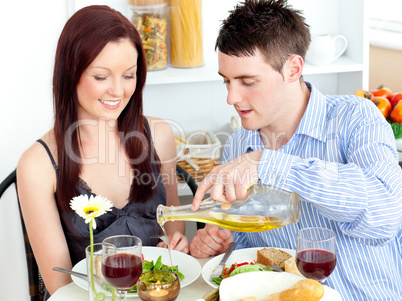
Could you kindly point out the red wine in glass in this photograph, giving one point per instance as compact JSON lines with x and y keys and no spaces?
{"x":122,"y":270}
{"x":316,"y":264}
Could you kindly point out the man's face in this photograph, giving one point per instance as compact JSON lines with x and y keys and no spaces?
{"x":255,"y":89}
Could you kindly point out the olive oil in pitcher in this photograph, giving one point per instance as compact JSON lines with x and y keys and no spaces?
{"x":265,"y":208}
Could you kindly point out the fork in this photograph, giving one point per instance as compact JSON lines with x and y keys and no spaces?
{"x":161,"y":237}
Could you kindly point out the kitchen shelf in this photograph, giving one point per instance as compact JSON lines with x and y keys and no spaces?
{"x":171,"y":75}
{"x":341,"y":65}
{"x":209,"y":72}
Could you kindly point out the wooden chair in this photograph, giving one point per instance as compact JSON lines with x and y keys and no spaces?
{"x":36,"y":285}
{"x":192,"y":184}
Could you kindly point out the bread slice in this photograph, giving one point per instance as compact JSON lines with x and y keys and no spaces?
{"x":291,"y":267}
{"x":272,"y":256}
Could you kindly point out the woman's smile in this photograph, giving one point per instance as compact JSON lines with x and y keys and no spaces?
{"x":110,"y":104}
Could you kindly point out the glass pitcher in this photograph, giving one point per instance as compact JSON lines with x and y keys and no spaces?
{"x":265,"y":208}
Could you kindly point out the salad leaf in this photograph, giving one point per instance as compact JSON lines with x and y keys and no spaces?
{"x":158,"y":265}
{"x":147,"y":266}
{"x":250,"y":268}
{"x":238,"y":268}
{"x":217,"y":280}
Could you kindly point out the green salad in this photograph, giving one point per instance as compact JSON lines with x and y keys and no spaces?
{"x":238,"y":268}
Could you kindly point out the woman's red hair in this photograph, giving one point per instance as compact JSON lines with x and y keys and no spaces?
{"x":84,"y":36}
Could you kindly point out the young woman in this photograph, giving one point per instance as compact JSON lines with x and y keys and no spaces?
{"x":101,"y":144}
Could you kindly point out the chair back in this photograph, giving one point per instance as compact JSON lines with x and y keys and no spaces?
{"x":36,"y":285}
{"x":192,"y":184}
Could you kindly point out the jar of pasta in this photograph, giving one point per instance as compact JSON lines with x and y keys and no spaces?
{"x":150,"y":17}
{"x":185,"y":33}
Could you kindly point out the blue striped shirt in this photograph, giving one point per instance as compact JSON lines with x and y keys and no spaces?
{"x":343,"y":164}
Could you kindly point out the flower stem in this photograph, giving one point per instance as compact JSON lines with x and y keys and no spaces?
{"x":91,"y":238}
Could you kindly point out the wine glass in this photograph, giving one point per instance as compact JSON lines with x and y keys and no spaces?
{"x":315,"y":253}
{"x":122,"y":262}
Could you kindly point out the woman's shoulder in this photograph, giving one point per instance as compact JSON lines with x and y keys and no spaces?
{"x":160,"y":128}
{"x":163,"y":138}
{"x":36,"y":156}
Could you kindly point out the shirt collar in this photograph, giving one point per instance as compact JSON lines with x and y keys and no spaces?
{"x":312,"y":123}
{"x":314,"y":118}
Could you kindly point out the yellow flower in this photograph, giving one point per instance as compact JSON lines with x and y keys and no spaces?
{"x":90,"y":208}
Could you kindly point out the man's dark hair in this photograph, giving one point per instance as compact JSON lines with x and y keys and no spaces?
{"x":271,"y":26}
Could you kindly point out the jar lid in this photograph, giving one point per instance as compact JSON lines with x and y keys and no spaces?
{"x":146,"y":2}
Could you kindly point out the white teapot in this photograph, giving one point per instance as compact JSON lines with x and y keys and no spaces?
{"x":324,"y":49}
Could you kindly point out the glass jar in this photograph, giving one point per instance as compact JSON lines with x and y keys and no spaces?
{"x":185,"y":18}
{"x":150,"y":18}
{"x":265,"y":208}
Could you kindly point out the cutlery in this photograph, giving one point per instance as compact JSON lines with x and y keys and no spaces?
{"x":161,"y":237}
{"x":80,"y":275}
{"x":218,"y":270}
{"x":276,"y":268}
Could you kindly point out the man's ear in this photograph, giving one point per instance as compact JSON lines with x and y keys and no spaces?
{"x":294,"y":67}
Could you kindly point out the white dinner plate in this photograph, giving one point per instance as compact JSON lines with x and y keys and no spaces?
{"x":262,"y":284}
{"x":188,"y":266}
{"x":241,"y":255}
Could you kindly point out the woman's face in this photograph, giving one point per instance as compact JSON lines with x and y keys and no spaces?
{"x":106,"y":86}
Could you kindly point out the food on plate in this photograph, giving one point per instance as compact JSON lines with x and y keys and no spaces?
{"x":239,"y":268}
{"x":150,"y":266}
{"x":291,"y":267}
{"x":265,"y":258}
{"x":249,"y":299}
{"x":303,"y":290}
{"x":272,"y":256}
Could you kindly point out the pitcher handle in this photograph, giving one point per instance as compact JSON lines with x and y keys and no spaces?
{"x":342,"y":50}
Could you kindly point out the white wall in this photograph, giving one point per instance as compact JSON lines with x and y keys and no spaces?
{"x":29,"y":32}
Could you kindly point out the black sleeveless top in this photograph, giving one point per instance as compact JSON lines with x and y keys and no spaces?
{"x":134,"y":219}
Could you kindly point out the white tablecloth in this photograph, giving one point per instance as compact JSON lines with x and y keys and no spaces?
{"x":192,"y":292}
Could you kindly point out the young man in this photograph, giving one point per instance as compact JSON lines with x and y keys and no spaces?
{"x":337,"y":152}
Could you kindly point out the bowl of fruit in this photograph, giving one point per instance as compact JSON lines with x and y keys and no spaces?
{"x":390,"y":105}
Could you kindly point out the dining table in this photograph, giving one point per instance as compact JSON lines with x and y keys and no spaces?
{"x":193,"y":292}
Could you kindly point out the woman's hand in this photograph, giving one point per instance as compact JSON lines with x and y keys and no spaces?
{"x":177,"y":241}
{"x":210,"y":241}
